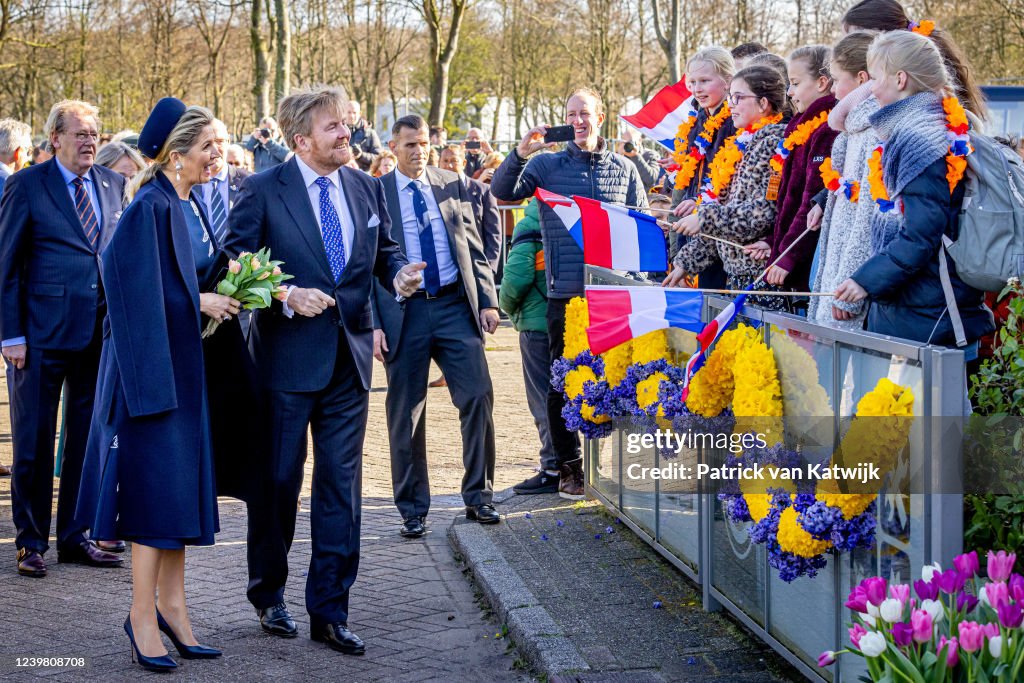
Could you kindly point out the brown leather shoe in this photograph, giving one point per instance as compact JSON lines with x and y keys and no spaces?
{"x":5,"y":471}
{"x":570,"y":480}
{"x":439,"y":382}
{"x":30,"y":563}
{"x":88,"y":553}
{"x":111,"y":546}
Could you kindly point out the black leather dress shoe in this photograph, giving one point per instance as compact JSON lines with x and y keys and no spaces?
{"x":278,"y":621}
{"x":30,"y":563}
{"x":111,"y":546}
{"x":5,"y":471}
{"x":413,"y":527}
{"x":485,"y":514}
{"x":338,"y":637}
{"x":88,"y":553}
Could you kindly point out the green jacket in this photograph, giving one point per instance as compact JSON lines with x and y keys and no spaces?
{"x":523,"y":293}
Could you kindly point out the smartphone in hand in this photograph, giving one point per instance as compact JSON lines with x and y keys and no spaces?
{"x":560,"y":134}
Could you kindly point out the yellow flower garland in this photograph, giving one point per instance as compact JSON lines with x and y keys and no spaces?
{"x":757,"y":397}
{"x":647,"y":395}
{"x":616,"y":362}
{"x":577,"y":320}
{"x":793,"y":539}
{"x":650,"y":347}
{"x":799,"y":137}
{"x":711,"y":389}
{"x":575,"y":380}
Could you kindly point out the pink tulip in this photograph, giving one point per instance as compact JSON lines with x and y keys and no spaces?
{"x":972,"y":636}
{"x":921,"y":623}
{"x":997,"y":593}
{"x":263,"y":276}
{"x":281,"y":294}
{"x":277,"y":270}
{"x":255,"y":263}
{"x":952,"y":654}
{"x":1000,"y":565}
{"x":900,"y":591}
{"x":856,"y":631}
{"x":991,"y":630}
{"x":234,"y":266}
{"x":967,"y":564}
{"x":875,"y":588}
{"x":826,"y":658}
{"x":858,"y":600}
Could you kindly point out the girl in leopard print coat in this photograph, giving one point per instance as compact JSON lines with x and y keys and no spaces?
{"x":746,"y":213}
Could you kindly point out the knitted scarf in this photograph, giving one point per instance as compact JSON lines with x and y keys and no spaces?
{"x":914,"y":133}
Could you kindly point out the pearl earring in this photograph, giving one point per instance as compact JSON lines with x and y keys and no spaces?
{"x":177,"y":171}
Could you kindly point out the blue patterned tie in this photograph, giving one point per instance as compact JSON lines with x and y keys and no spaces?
{"x":431,"y":274}
{"x":330,"y":226}
{"x":85,"y":212}
{"x":218,"y":214}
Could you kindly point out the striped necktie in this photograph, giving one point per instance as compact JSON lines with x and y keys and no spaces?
{"x":218,"y":212}
{"x":86,"y":215}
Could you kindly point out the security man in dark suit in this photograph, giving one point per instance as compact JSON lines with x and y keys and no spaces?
{"x":444,"y":320}
{"x":485,"y":207}
{"x":55,"y":217}
{"x":330,"y":227}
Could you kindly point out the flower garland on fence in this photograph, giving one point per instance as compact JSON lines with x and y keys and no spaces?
{"x":690,"y":159}
{"x":957,"y":132}
{"x":799,"y":137}
{"x":835,"y":182}
{"x":727,"y":160}
{"x":580,"y":375}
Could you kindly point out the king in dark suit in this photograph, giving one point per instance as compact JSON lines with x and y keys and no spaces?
{"x":54,"y":220}
{"x":330,"y":227}
{"x":444,"y":320}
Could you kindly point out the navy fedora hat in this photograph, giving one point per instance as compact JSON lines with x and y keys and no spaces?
{"x":161,"y":122}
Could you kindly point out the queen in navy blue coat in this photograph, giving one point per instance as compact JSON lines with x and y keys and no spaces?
{"x":150,"y":435}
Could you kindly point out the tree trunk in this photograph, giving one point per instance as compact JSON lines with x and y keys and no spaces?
{"x":668,"y":37}
{"x":260,"y":70}
{"x":442,"y":56}
{"x":283,"y":61}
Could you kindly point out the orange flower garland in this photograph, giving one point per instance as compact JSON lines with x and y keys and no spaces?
{"x":923,"y":28}
{"x":689,"y":160}
{"x":800,"y":135}
{"x":956,"y":160}
{"x":723,"y":168}
{"x":834,"y":182}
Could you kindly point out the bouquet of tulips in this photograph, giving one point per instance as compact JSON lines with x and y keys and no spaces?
{"x":252,"y":280}
{"x":960,"y":627}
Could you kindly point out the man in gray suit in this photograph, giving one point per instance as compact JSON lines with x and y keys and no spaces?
{"x":15,"y":147}
{"x":444,"y":320}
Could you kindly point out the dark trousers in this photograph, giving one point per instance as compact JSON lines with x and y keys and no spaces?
{"x":35,"y":392}
{"x":442,"y":329}
{"x":336,"y":416}
{"x":533,"y":346}
{"x":565,"y":443}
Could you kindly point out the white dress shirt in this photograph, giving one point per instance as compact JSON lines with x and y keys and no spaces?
{"x":411,"y":228}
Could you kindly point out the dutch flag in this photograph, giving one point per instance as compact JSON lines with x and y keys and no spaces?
{"x":660,"y":118}
{"x":619,"y":314}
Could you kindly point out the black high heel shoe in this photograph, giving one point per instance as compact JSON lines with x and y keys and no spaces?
{"x":186,"y":651}
{"x":162,"y":663}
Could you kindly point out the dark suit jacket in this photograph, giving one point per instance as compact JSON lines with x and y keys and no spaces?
{"x":50,"y":289}
{"x":463,"y":240}
{"x":235,"y":178}
{"x":488,"y":221}
{"x":273,"y":210}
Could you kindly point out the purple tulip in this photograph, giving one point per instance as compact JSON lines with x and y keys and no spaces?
{"x":965,"y":602}
{"x":875,"y":588}
{"x":972,"y":636}
{"x":950,"y":581}
{"x":1017,"y":587}
{"x":858,"y":600}
{"x":921,"y":624}
{"x":901,"y":592}
{"x":926,"y":590}
{"x":826,"y":658}
{"x":856,"y":631}
{"x":1000,"y":565}
{"x":902,"y":634}
{"x":997,"y":593}
{"x":952,"y":653}
{"x":967,"y":564}
{"x":1010,"y":616}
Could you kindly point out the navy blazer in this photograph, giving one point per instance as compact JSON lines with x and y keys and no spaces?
{"x":50,"y":288}
{"x":488,"y":220}
{"x":465,"y":244}
{"x":273,"y":210}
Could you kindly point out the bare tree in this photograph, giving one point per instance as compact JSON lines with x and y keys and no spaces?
{"x":442,"y":42}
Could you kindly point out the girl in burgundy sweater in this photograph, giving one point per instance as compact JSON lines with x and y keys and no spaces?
{"x":807,"y":142}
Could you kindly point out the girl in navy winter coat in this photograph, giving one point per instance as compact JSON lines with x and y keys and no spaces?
{"x":916,"y":184}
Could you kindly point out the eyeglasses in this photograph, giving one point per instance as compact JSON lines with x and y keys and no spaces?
{"x":84,"y":136}
{"x":734,"y":98}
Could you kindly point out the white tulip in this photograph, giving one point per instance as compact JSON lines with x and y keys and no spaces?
{"x":995,"y":646}
{"x":872,"y":644}
{"x":867,"y":618}
{"x":983,"y":596}
{"x":891,"y":610}
{"x":934,"y":608}
{"x":928,"y":571}
{"x":873,"y":609}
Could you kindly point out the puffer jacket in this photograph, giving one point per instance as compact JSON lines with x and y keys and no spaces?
{"x":523,"y":293}
{"x":600,"y":175}
{"x":745,"y":215}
